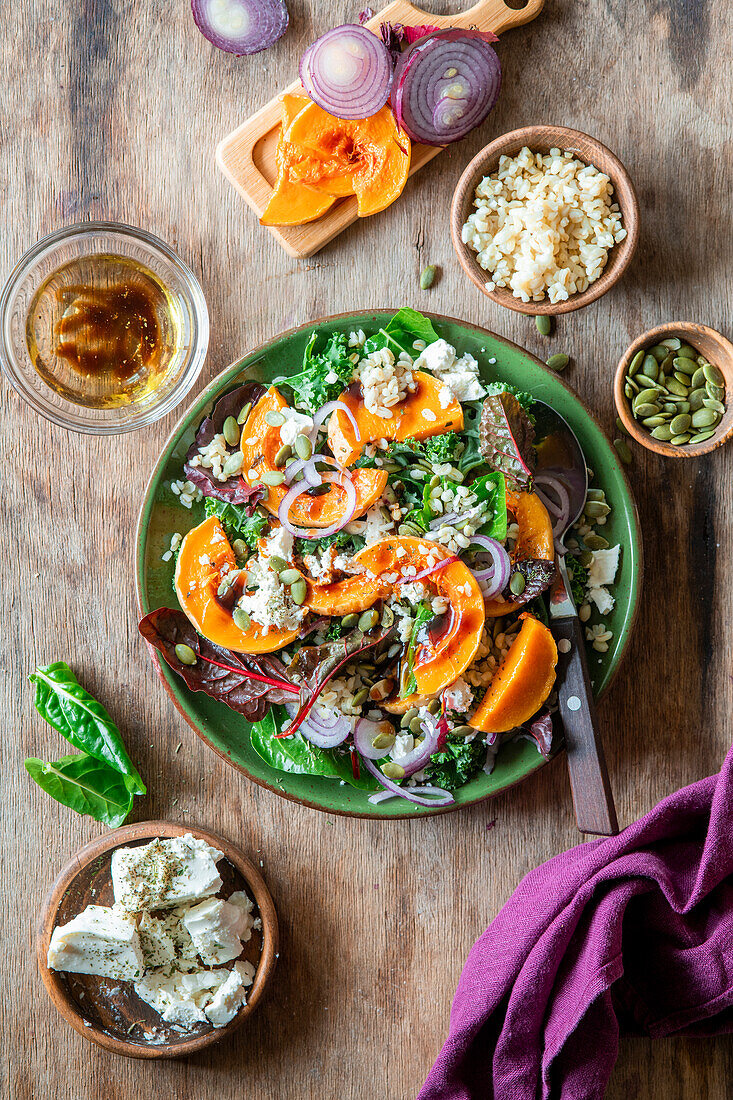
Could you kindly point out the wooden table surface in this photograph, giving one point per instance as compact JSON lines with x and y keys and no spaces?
{"x":112,"y":110}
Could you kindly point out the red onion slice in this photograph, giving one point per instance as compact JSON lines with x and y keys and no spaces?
{"x":241,"y":26}
{"x":495,"y":577}
{"x":311,"y":475}
{"x":384,"y":796}
{"x":444,"y":799}
{"x":445,"y":85}
{"x":325,"y":732}
{"x":420,"y":755}
{"x":318,"y":532}
{"x":558,"y":508}
{"x":429,"y":572}
{"x":347,"y":72}
{"x":332,"y":407}
{"x":364,"y":734}
{"x":439,"y":521}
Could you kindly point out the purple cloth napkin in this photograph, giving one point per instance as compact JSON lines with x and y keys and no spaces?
{"x":627,"y":935}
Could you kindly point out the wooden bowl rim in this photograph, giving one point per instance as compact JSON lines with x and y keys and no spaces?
{"x":148,"y":830}
{"x":692,"y":330}
{"x":624,"y":195}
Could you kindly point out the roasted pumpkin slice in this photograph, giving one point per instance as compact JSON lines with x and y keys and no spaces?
{"x":373,"y":152}
{"x":353,"y":594}
{"x":204,"y":560}
{"x":407,"y":421}
{"x":534,"y":540}
{"x":442,"y":658}
{"x":290,"y":203}
{"x":260,"y":443}
{"x":522,"y":681}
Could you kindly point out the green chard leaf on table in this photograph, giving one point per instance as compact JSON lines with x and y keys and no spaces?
{"x":235,"y":521}
{"x":311,"y":387}
{"x":102,"y":780}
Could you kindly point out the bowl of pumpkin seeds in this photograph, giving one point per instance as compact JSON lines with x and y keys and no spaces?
{"x":674,"y":389}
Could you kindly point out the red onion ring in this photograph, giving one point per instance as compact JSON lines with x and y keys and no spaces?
{"x":318,"y":532}
{"x":495,"y":577}
{"x":428,"y":572}
{"x":445,"y":796}
{"x":241,"y":26}
{"x":364,"y":734}
{"x":445,"y":85}
{"x":324,"y":733}
{"x":560,"y":508}
{"x":420,"y":755}
{"x":384,"y":796}
{"x":336,"y":406}
{"x":347,"y":72}
{"x":311,"y":475}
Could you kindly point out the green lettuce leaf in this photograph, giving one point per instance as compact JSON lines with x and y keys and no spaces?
{"x":400,"y":333}
{"x":85,"y":785}
{"x":408,"y":683}
{"x":491,"y":488}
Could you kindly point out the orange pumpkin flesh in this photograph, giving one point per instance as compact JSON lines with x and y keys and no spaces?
{"x":522,"y":682}
{"x":534,"y":541}
{"x":353,"y":594}
{"x":204,"y":560}
{"x":373,"y":152}
{"x":407,"y":420}
{"x":260,"y":444}
{"x":290,"y":203}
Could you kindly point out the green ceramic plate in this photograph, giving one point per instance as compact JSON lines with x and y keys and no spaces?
{"x":162,"y":514}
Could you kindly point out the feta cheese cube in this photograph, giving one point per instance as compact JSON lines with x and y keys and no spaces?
{"x":280,"y":544}
{"x":458,"y":696}
{"x":602,"y":598}
{"x":164,"y":873}
{"x":602,"y":569}
{"x":100,"y":940}
{"x":215,"y":927}
{"x":230,"y":996}
{"x":295,"y":424}
{"x":437,"y":357}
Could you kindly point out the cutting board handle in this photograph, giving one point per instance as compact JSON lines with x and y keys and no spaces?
{"x":492,"y":15}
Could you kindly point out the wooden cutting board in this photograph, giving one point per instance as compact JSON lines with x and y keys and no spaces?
{"x":247,"y":155}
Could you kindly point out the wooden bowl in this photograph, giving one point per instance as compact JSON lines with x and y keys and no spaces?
{"x":716,"y":349}
{"x":109,"y":1012}
{"x":540,"y":139}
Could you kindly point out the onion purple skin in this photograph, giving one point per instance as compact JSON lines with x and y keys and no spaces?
{"x":268,"y":22}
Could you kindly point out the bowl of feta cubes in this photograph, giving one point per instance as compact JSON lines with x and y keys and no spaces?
{"x":156,"y":941}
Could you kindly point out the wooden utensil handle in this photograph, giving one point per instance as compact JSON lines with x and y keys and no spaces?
{"x":485,"y":14}
{"x":592,"y":796}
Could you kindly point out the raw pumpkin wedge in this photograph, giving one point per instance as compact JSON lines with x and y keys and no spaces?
{"x":204,"y":560}
{"x":441,"y":659}
{"x":372,"y":151}
{"x":533,"y":541}
{"x":407,"y":420}
{"x":260,"y":443}
{"x":522,"y":681}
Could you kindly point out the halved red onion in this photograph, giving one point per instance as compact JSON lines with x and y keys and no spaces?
{"x":318,"y":532}
{"x":429,"y":572}
{"x":336,"y":406}
{"x":325,"y":732}
{"x":495,"y":577}
{"x":347,"y":72}
{"x":444,"y":799}
{"x":241,"y":26}
{"x":445,"y":85}
{"x":420,"y":755}
{"x":364,"y":733}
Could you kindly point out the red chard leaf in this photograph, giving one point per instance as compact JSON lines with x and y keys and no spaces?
{"x":538,"y":573}
{"x":506,"y":437}
{"x":235,"y":490}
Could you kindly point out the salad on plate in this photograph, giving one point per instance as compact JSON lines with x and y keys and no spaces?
{"x":367,"y":587}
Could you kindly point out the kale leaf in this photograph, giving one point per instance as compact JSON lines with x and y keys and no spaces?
{"x":525,"y":399}
{"x":235,"y":521}
{"x":578,"y":575}
{"x":342,"y":540}
{"x":311,"y":387}
{"x":455,"y":764}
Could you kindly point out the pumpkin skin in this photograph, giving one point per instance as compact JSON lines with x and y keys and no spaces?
{"x":406,"y":422}
{"x":373,"y":153}
{"x":197,"y":583}
{"x":522,"y":682}
{"x":535,"y":540}
{"x":260,"y":443}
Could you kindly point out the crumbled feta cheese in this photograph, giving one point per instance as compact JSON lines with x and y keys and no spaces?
{"x":216,"y":928}
{"x":331,"y":377}
{"x":270,"y":605}
{"x":157,"y":944}
{"x":231,"y":995}
{"x":296,"y":423}
{"x":602,"y":569}
{"x":602,"y":598}
{"x":437,"y":357}
{"x":460,"y":376}
{"x":100,"y":940}
{"x":164,"y":873}
{"x":404,"y":743}
{"x":413,"y":591}
{"x":458,"y":696}
{"x":279,"y":544}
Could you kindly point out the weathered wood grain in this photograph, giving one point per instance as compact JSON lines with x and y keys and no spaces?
{"x":114,"y":110}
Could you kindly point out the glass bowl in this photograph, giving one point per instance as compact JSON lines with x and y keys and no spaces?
{"x":81,"y":241}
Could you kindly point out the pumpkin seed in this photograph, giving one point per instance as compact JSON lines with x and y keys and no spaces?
{"x":233,"y":464}
{"x":677,"y":387}
{"x":185,"y":654}
{"x":646,"y":408}
{"x":686,"y":351}
{"x":596,"y":508}
{"x":713,"y":375}
{"x":239,"y":546}
{"x":298,"y":591}
{"x":667,"y":364}
{"x":559,"y":361}
{"x":518,"y":584}
{"x":683,"y":406}
{"x":653,"y":421}
{"x":701,"y":360}
{"x":349,"y":621}
{"x":659,"y":351}
{"x":595,"y":494}
{"x":289,"y":576}
{"x":462,"y":731}
{"x":672,"y":342}
{"x":231,"y":431}
{"x":277,"y":563}
{"x":650,"y":367}
{"x":700,"y":437}
{"x":681,"y":377}
{"x":676,"y":440}
{"x":244,"y":412}
{"x":408,"y":716}
{"x":663,"y":433}
{"x":368,"y":620}
{"x":718,"y":392}
{"x":698,"y":398}
{"x":427,"y":277}
{"x":624,"y":453}
{"x":274,"y":418}
{"x":705,"y":418}
{"x":360,"y":697}
{"x":409,"y":529}
{"x":698,"y":378}
{"x":303,"y":447}
{"x":644,"y":397}
{"x":680,"y":423}
{"x":634,"y":384}
{"x":544,"y":324}
{"x":712,"y":403}
{"x":415,"y":725}
{"x":620,"y":425}
{"x":435,"y":481}
{"x":282,"y":456}
{"x":586,"y":558}
{"x":387,"y":621}
{"x":383,"y":741}
{"x":272,"y":477}
{"x":241,"y":618}
{"x":597,"y":542}
{"x":392,"y":770}
{"x":635,"y":364}
{"x":628,"y":391}
{"x":434,"y":706}
{"x":669,"y":407}
{"x":687,"y":366}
